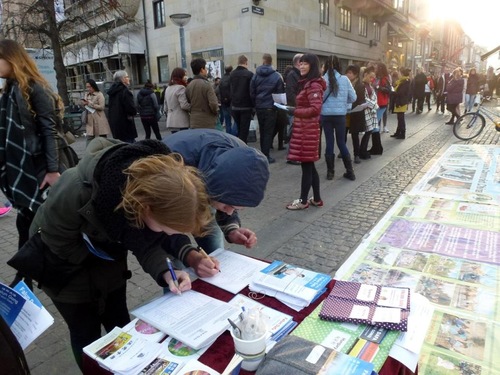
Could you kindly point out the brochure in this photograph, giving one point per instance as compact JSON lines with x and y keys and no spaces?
{"x":301,"y":284}
{"x":123,"y":353}
{"x":23,"y":313}
{"x":236,"y":270}
{"x":340,"y":363}
{"x":192,"y":317}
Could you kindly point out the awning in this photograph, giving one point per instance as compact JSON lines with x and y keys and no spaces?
{"x":488,"y":54}
{"x":394,"y":31}
{"x":129,"y":44}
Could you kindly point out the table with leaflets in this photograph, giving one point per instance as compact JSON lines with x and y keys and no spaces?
{"x":221,"y":351}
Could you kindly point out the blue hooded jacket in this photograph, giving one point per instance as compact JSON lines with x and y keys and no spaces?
{"x":234,"y":173}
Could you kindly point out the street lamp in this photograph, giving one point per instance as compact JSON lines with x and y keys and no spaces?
{"x":181,"y":19}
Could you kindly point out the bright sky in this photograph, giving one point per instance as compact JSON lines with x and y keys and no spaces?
{"x":479,"y":19}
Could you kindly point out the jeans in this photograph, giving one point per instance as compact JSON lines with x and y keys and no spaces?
{"x":231,"y":128}
{"x":84,"y":320}
{"x":242,"y":120}
{"x":334,"y":126}
{"x":267,"y":122}
{"x":469,"y":102}
{"x":213,"y":240}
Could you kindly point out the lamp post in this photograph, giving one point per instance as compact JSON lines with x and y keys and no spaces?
{"x":181,"y":19}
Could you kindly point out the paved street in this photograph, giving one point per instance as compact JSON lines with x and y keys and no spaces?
{"x":316,"y":238}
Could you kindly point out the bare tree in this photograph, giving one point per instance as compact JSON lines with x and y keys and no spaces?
{"x":49,"y":23}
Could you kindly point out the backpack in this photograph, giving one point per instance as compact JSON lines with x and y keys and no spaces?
{"x":225,"y":90}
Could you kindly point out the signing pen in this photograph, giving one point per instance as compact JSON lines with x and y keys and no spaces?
{"x":204,"y":254}
{"x":172,"y":273}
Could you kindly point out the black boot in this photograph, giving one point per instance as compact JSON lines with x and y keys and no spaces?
{"x":330,"y":166}
{"x":349,"y":174}
{"x":377,"y":148}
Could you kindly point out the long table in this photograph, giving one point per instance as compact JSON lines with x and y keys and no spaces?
{"x":221,"y":351}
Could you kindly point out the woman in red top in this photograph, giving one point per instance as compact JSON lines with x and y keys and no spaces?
{"x":304,"y":144}
{"x":383,"y":88}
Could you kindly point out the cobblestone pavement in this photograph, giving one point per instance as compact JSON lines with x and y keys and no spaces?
{"x":316,"y":238}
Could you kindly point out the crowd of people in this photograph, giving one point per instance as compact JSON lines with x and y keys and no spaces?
{"x":152,"y":197}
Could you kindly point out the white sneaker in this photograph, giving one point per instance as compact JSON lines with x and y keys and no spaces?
{"x":386,"y":130}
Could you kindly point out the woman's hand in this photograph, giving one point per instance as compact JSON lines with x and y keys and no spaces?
{"x":183,"y":280}
{"x":50,"y":179}
{"x":203,"y":266}
{"x":243,"y":236}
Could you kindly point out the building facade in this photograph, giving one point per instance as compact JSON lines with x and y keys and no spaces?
{"x":140,"y":36}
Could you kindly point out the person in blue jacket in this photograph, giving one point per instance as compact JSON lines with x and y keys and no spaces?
{"x":235,"y":175}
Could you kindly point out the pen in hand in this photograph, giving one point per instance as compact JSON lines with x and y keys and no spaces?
{"x":172,"y":273}
{"x":205,"y":255}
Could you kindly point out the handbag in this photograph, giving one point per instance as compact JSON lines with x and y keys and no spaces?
{"x":36,"y":261}
{"x":69,"y":137}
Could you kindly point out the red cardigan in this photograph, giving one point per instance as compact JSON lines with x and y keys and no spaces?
{"x":304,"y":144}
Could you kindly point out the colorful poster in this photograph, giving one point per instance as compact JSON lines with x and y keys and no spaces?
{"x":442,"y":242}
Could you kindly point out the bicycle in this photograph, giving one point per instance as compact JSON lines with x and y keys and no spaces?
{"x":471,"y":124}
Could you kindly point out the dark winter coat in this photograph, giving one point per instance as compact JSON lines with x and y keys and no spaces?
{"x":472,"y":84}
{"x":304,"y":144}
{"x":357,"y":119}
{"x":148,"y":104}
{"x":225,"y":90}
{"x":121,"y":112}
{"x":265,"y":82}
{"x":402,"y":95}
{"x":455,"y":90}
{"x":292,"y":86}
{"x":240,"y":88}
{"x":83,"y":201}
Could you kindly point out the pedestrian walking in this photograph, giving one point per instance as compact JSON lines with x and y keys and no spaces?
{"x":149,"y":110}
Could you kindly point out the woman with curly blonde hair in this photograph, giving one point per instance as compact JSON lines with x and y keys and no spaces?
{"x":121,"y":197}
{"x":29,"y":141}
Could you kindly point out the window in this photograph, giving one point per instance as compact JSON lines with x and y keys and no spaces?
{"x":159,"y":13}
{"x":363,"y":26}
{"x":376,"y":31}
{"x":324,"y":11}
{"x":345,"y":19}
{"x":163,"y":71}
{"x":399,"y":5}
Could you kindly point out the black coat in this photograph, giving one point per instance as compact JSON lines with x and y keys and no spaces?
{"x":240,"y":88}
{"x":121,"y":112}
{"x":358,"y":122}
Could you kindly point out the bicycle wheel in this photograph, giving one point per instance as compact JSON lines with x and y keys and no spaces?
{"x":469,"y":126}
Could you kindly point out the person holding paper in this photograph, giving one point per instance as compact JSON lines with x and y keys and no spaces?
{"x":120,"y":197}
{"x":97,"y":123}
{"x":304,"y":144}
{"x":235,"y":176}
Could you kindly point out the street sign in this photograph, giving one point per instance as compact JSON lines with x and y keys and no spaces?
{"x":258,"y":10}
{"x":244,"y":10}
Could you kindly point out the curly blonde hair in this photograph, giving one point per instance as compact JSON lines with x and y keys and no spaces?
{"x":171,"y":193}
{"x":24,"y":68}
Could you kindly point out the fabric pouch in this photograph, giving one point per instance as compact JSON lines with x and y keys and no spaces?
{"x":294,"y":356}
{"x":36,"y":261}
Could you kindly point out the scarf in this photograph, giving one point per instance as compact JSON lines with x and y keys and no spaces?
{"x":111,"y":180}
{"x":18,"y":172}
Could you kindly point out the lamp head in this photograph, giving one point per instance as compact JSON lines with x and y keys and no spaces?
{"x":180,"y":19}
